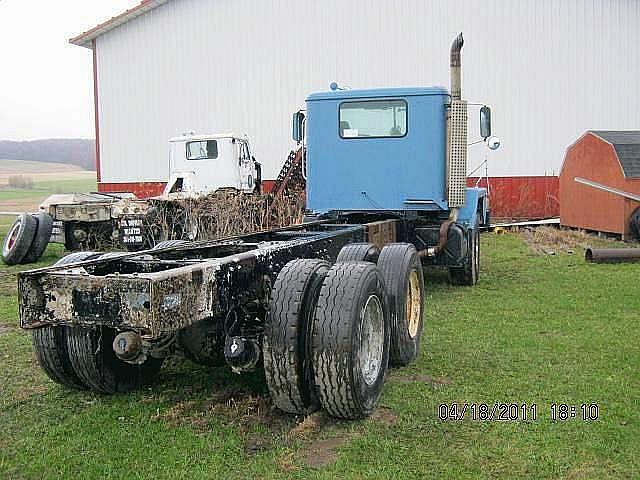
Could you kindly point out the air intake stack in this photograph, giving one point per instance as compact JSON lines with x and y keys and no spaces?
{"x":456,"y":134}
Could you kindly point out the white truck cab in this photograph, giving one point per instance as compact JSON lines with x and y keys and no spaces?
{"x":202,"y":164}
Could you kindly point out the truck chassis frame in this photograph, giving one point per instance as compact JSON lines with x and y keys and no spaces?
{"x":156,"y":292}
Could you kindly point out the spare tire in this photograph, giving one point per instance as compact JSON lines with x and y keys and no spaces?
{"x":19,"y":239}
{"x":634,"y":223}
{"x":41,"y":240}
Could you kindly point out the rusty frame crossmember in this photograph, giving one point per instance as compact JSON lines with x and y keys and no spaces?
{"x":158,"y":292}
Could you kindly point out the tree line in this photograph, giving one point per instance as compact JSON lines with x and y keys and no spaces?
{"x":73,"y":151}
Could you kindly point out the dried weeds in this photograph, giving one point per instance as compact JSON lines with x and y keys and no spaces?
{"x":546,"y":240}
{"x":223,"y":214}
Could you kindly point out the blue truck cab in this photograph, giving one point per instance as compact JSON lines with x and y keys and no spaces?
{"x":376,"y":150}
{"x":401,"y":154}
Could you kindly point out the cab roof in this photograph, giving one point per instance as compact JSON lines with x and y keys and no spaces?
{"x":202,"y":137}
{"x":378,"y":93}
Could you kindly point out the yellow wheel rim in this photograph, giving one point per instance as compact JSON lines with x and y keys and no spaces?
{"x":413,"y":303}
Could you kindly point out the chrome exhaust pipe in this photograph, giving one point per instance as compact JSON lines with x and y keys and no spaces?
{"x":456,"y":135}
{"x":456,"y":64}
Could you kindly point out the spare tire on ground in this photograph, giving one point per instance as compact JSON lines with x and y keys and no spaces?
{"x":634,"y":223}
{"x":41,"y":240}
{"x":19,"y":239}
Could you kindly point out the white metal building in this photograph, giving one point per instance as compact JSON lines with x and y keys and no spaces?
{"x":550,"y":69}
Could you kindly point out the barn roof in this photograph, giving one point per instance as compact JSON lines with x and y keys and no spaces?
{"x":627,"y":146}
{"x":85,"y":39}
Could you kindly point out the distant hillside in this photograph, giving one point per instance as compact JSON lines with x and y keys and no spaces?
{"x":73,"y":151}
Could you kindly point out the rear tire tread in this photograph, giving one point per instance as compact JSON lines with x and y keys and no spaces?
{"x":287,"y":371}
{"x":332,"y":340}
{"x":23,"y":241}
{"x":394,"y":261}
{"x":358,"y":252}
{"x":50,"y":345}
{"x":41,"y":239}
{"x":94,"y":361}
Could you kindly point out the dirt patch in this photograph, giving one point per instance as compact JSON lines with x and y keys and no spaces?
{"x":385,"y":416}
{"x":582,"y":471}
{"x":321,"y":453}
{"x":233,"y":406}
{"x":4,"y":329}
{"x":549,"y":241}
{"x":311,"y":425}
{"x":256,"y":443}
{"x":8,"y":283}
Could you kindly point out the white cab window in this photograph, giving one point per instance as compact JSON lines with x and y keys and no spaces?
{"x":202,"y":150}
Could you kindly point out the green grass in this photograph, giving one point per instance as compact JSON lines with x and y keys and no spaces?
{"x":537,"y":329}
{"x":42,"y":189}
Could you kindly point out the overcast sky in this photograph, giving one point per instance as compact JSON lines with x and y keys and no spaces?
{"x":46,"y":84}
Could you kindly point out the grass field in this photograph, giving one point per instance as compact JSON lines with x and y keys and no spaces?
{"x":538,"y":329}
{"x":48,"y":178}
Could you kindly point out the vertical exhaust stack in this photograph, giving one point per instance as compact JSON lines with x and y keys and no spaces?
{"x":456,"y":134}
{"x":456,"y":80}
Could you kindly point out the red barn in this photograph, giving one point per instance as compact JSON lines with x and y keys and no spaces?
{"x":611,"y":159}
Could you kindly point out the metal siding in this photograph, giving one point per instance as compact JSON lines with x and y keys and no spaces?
{"x":549,"y":69}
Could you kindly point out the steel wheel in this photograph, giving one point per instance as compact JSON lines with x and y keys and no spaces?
{"x":12,"y":237}
{"x":372,"y":339}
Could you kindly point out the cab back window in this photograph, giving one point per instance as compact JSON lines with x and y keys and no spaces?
{"x":373,"y":118}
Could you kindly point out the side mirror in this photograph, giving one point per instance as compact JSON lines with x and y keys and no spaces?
{"x":485,"y":122}
{"x":297,"y":133}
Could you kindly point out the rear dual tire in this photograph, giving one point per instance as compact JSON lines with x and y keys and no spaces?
{"x":83,"y":358}
{"x":350,"y":341}
{"x":358,"y":252}
{"x":326,"y":340}
{"x":92,"y":358}
{"x":402,"y":272}
{"x":287,"y":336}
